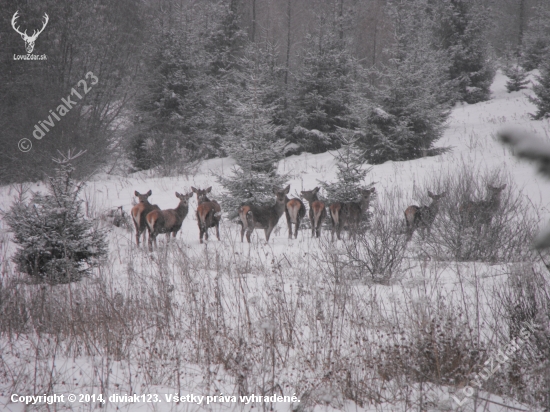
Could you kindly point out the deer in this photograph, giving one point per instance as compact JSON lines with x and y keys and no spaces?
{"x":349,"y":214}
{"x":209,"y":213}
{"x":423,"y":217}
{"x":29,"y":40}
{"x":139,"y":213}
{"x":317,"y":211}
{"x":167,"y":221}
{"x":263,"y":217}
{"x":295,"y":211}
{"x":481,"y":212}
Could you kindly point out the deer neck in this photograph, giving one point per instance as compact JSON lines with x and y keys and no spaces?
{"x":280,"y":207}
{"x":182,"y":209}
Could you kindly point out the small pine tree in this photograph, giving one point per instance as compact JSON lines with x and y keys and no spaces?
{"x":351,"y":174}
{"x":56,"y":243}
{"x":542,"y":91}
{"x":517,"y":78}
{"x":254,"y":143}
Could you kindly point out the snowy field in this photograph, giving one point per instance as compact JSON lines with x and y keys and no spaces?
{"x":227,"y":318}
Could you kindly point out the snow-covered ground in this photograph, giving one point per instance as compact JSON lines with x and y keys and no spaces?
{"x":261,"y":275}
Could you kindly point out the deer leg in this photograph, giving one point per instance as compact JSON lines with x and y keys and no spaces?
{"x":242,"y":233}
{"x":218,"y":230}
{"x":151,"y":239}
{"x":248,"y":233}
{"x":289,"y":223}
{"x":296,"y":227}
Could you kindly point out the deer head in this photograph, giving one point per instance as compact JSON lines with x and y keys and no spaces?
{"x":29,"y":40}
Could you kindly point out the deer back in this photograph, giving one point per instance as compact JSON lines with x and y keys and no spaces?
{"x":208,"y":212}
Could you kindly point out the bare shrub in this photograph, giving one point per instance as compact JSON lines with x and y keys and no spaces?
{"x":525,"y":299}
{"x":506,"y":236}
{"x":379,"y":251}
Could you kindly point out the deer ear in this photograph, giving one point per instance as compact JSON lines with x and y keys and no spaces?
{"x":209,"y":189}
{"x":316,"y":190}
{"x":503,"y":187}
{"x":149,"y":193}
{"x":193,"y":189}
{"x":373,"y":190}
{"x":136,"y":193}
{"x":190,"y":195}
{"x":287,"y":189}
{"x":430,"y":194}
{"x":177,"y":194}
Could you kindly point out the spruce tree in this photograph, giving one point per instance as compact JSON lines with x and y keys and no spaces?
{"x":462,"y":31}
{"x":542,"y":91}
{"x":324,"y":88}
{"x":536,"y":42}
{"x":351,"y":173}
{"x":253,"y":143}
{"x":56,"y":243}
{"x":517,"y":78}
{"x":412,"y":100}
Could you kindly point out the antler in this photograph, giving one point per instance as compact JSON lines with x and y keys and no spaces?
{"x":36,"y":33}
{"x":71,"y":155}
{"x":13,"y":19}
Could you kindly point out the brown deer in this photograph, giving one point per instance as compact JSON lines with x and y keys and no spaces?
{"x":209,"y":213}
{"x":481,"y":213}
{"x":317,"y":211}
{"x":422,"y":217}
{"x":349,"y":214}
{"x":263,"y":217}
{"x":139,"y":213}
{"x":295,"y":210}
{"x":167,"y":221}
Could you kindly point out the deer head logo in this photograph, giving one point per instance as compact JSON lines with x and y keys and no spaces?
{"x":29,"y":40}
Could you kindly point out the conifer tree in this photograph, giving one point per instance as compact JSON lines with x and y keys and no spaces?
{"x":325,"y":87}
{"x":542,"y":91}
{"x":517,"y":78}
{"x":351,"y":173}
{"x":56,"y":243}
{"x":414,"y":94}
{"x":536,"y":42}
{"x":462,"y":31}
{"x":253,"y":143}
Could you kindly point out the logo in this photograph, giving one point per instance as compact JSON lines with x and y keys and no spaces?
{"x":29,"y":40}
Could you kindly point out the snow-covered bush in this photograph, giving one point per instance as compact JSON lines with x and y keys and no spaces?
{"x":57,"y":244}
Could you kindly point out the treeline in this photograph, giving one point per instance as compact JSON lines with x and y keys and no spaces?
{"x":186,"y":80}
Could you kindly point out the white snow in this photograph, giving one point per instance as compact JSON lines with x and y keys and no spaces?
{"x":471,"y":133}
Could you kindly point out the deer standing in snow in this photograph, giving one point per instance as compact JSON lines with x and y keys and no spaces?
{"x":295,"y":211}
{"x":349,"y":214}
{"x":481,"y":212}
{"x":422,"y":217}
{"x":263,"y":217}
{"x":139,"y":213}
{"x":317,"y":211}
{"x":208,"y":213}
{"x":167,"y":221}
